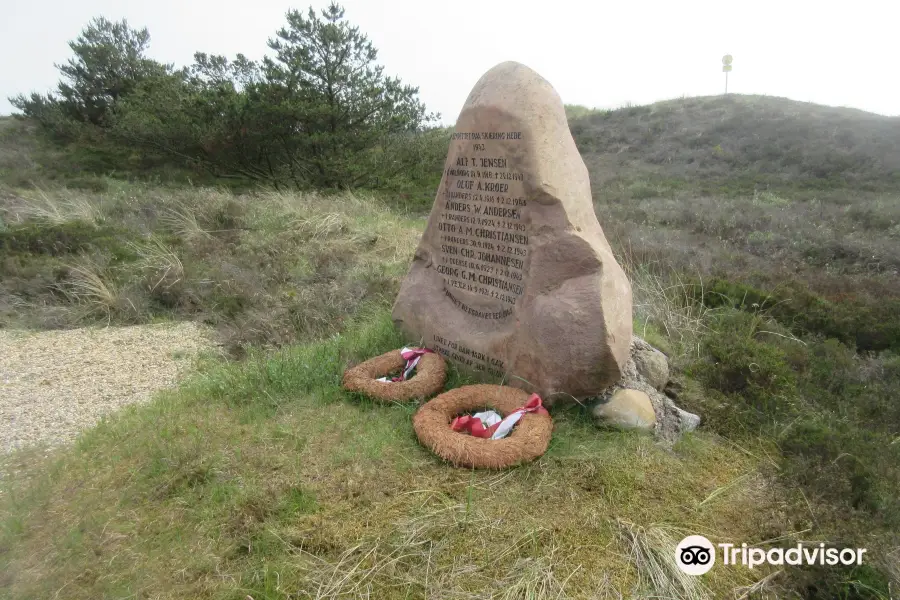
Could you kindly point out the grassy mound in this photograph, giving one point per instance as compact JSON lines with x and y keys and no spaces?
{"x":265,"y":479}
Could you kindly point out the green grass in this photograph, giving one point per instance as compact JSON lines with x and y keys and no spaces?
{"x":263,"y":478}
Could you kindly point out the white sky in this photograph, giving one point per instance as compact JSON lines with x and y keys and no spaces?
{"x":601,"y":54}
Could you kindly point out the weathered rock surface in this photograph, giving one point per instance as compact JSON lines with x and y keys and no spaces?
{"x":626,"y":409}
{"x":689,"y":421}
{"x":650,"y":363}
{"x":513,"y":277}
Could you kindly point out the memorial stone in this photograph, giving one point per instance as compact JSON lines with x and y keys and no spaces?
{"x":513,"y":277}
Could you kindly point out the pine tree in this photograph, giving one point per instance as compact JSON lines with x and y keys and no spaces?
{"x":335,"y":106}
{"x":109,"y":62}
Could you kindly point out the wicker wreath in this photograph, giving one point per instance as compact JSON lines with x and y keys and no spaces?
{"x":429,"y":377}
{"x":527,"y":441}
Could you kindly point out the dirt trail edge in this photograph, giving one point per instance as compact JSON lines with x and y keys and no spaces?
{"x":53,"y":384}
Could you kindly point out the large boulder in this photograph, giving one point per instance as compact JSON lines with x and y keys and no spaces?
{"x":513,"y":277}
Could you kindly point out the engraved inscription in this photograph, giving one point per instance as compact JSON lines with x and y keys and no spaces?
{"x":477,"y":361}
{"x":484,"y":242}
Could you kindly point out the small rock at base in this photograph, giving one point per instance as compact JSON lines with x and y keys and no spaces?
{"x":653,"y":365}
{"x":627,"y":409}
{"x":689,"y":421}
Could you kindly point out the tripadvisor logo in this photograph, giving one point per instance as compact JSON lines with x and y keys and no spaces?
{"x":695,"y":555}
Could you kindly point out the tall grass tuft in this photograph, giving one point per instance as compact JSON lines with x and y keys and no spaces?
{"x":57,"y":207}
{"x":159,"y":261}
{"x":665,"y":300}
{"x":182,"y":221}
{"x":93,"y":290}
{"x":651,"y":551}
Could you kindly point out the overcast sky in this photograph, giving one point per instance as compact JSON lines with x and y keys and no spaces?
{"x":601,"y":54}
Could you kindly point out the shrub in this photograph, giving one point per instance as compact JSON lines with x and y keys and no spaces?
{"x":865,"y":325}
{"x":814,"y":582}
{"x":833,"y":413}
{"x":60,"y":239}
{"x":844,"y":465}
{"x":754,"y":374}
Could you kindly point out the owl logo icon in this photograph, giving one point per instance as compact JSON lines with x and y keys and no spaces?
{"x":695,"y":555}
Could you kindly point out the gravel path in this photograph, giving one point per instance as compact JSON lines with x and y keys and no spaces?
{"x":55,"y":383}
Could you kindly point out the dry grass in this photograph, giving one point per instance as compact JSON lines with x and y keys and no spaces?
{"x":182,"y":221}
{"x":55,"y":207}
{"x":91,"y":290}
{"x":891,"y":565}
{"x":536,"y":579}
{"x":321,"y":225}
{"x":757,"y":589}
{"x":267,"y":268}
{"x":666,"y":303}
{"x":651,"y":551}
{"x":160,"y":261}
{"x":411,"y":562}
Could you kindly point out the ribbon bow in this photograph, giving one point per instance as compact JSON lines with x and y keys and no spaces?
{"x":499,"y":428}
{"x":412,"y":357}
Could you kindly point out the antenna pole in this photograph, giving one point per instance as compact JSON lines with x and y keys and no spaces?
{"x":726,"y":67}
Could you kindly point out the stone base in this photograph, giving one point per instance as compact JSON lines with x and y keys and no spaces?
{"x":645,"y":361}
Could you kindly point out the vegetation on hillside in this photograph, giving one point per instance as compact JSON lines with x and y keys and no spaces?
{"x":780,"y":221}
{"x":762,"y":239}
{"x":318,"y":113}
{"x":263,"y":479}
{"x":740,"y":144}
{"x":264,"y":268}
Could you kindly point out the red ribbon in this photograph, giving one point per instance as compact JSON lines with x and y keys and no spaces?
{"x":473,"y":426}
{"x":534,"y":405}
{"x":476,"y":428}
{"x":412,"y":354}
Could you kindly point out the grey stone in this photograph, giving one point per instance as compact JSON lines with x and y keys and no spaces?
{"x":689,"y":421}
{"x":671,"y":421}
{"x":650,"y":363}
{"x":673,"y":389}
